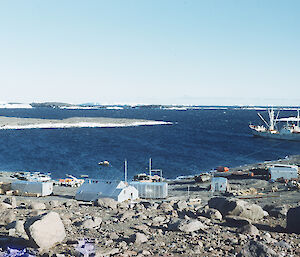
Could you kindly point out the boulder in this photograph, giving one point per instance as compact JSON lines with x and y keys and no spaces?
{"x":278,"y":212}
{"x":12,"y":201}
{"x":17,"y":227}
{"x":292,"y":220}
{"x":106,"y":203}
{"x":45,"y":230}
{"x":165,"y":207}
{"x":54,"y":204}
{"x":237,"y":208}
{"x":7,"y":216}
{"x":249,"y":230}
{"x":237,"y":221}
{"x":4,"y":206}
{"x":254,"y":249}
{"x":139,"y":238}
{"x":37,"y":206}
{"x":211,"y":214}
{"x":180,"y":205}
{"x":92,"y":223}
{"x":104,"y":252}
{"x":126,"y":215}
{"x":186,"y":226}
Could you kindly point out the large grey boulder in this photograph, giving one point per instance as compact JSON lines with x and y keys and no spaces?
{"x":236,"y":207}
{"x":186,"y":226}
{"x":292,"y":220}
{"x":106,"y":203}
{"x":46,"y":230}
{"x":191,"y":226}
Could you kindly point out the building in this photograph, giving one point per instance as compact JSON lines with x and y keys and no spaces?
{"x":151,"y":190}
{"x":93,"y":189}
{"x":219,"y":184}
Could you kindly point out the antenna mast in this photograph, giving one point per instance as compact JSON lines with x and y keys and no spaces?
{"x":150,"y":164}
{"x":125,"y":170}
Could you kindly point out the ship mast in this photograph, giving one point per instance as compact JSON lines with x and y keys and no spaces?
{"x":297,"y":117}
{"x":271,"y":115}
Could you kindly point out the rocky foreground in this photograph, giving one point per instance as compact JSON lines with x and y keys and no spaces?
{"x":256,"y":219}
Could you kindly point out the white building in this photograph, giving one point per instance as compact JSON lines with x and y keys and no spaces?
{"x":31,"y":187}
{"x":278,"y":171}
{"x":219,"y":184}
{"x":92,"y":189}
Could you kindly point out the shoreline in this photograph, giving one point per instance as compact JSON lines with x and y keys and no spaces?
{"x":11,"y":123}
{"x":183,"y":224}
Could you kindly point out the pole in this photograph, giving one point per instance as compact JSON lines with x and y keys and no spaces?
{"x":125,"y":165}
{"x":150,"y":164}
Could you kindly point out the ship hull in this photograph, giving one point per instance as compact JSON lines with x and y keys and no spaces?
{"x":290,"y":136}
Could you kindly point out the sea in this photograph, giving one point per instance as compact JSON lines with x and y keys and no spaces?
{"x":198,"y":140}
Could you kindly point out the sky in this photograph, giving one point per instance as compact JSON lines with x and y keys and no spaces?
{"x":197,"y":52}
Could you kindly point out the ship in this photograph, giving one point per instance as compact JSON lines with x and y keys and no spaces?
{"x":278,"y":128}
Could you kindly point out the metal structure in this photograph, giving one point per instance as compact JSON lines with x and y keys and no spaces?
{"x":30,"y":187}
{"x":92,"y":189}
{"x":219,"y":184}
{"x":281,"y":171}
{"x":151,"y":190}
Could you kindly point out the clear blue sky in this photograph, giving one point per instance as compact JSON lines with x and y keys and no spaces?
{"x":150,"y":51}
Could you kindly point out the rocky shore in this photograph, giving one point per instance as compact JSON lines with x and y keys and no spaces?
{"x":256,"y":218}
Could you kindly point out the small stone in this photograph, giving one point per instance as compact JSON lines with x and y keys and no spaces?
{"x":54,"y":203}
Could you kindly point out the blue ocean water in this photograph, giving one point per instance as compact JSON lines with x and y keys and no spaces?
{"x":198,"y":141}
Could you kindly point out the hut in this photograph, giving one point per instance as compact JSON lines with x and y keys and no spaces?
{"x":92,"y":189}
{"x":32,"y":188}
{"x":281,"y":171}
{"x":219,"y":184}
{"x":151,"y":190}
